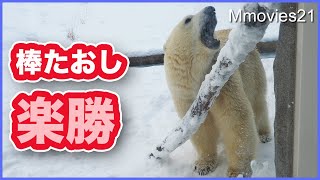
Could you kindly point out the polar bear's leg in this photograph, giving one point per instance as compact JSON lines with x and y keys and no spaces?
{"x":205,"y":143}
{"x":204,"y":140}
{"x":240,"y":138}
{"x":235,"y":120}
{"x":262,"y":121}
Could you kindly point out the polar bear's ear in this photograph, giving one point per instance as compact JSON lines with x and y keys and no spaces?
{"x":164,"y":47}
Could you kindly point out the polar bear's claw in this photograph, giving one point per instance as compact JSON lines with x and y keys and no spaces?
{"x":264,"y":138}
{"x":203,"y":167}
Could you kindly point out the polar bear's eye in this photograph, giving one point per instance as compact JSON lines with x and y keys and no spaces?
{"x":187,"y":20}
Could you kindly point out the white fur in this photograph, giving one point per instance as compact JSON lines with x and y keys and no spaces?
{"x":238,"y":113}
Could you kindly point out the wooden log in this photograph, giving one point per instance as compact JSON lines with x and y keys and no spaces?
{"x":157,"y":59}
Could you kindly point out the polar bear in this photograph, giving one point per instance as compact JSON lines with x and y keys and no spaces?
{"x":239,"y":114}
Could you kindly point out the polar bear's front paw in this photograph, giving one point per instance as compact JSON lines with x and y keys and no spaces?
{"x":237,"y":172}
{"x":264,"y":138}
{"x":204,"y":167}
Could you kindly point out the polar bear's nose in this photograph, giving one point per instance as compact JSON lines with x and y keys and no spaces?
{"x":209,"y":10}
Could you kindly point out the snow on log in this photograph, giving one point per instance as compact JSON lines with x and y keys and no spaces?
{"x":242,"y":40}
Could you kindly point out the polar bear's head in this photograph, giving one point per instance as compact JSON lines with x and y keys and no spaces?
{"x":194,"y":35}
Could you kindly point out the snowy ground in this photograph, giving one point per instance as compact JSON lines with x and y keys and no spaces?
{"x":148,"y":112}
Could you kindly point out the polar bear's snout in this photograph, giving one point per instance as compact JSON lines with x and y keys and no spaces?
{"x":209,"y":10}
{"x":208,"y":26}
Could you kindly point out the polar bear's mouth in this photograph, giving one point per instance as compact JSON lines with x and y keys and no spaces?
{"x":209,"y":22}
{"x":207,"y":38}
